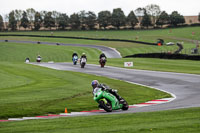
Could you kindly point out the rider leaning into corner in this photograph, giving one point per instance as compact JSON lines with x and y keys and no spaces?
{"x":96,"y":85}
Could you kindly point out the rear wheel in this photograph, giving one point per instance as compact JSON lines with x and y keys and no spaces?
{"x":106,"y":106}
{"x":125,"y":105}
{"x":102,"y":64}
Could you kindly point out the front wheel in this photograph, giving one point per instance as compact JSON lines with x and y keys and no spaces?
{"x":82,"y":65}
{"x":107,"y":107}
{"x":102,"y":64}
{"x":75,"y":62}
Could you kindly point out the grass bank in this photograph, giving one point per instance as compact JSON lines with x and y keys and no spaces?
{"x":27,"y":90}
{"x":17,"y":52}
{"x":169,"y":35}
{"x":140,"y":35}
{"x":174,"y":121}
{"x":179,"y":66}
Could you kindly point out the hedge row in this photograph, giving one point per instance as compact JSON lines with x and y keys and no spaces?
{"x":166,"y":56}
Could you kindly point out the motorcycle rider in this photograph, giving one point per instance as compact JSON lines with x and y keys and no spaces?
{"x":74,"y":54}
{"x":96,"y":85}
{"x":39,"y":58}
{"x":102,"y":59}
{"x":83,"y":56}
{"x":74,"y":58}
{"x":102,"y":55}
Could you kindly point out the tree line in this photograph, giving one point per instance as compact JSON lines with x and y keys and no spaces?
{"x":150,"y":16}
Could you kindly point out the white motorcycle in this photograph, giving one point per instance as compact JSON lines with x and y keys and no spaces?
{"x":83,"y":62}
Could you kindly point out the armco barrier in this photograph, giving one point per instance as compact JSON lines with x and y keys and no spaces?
{"x":166,"y":56}
{"x":85,"y":38}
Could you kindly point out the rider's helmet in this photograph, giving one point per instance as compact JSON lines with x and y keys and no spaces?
{"x":83,"y":53}
{"x":95,"y":83}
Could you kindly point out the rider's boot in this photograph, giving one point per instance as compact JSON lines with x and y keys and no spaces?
{"x":114,"y":92}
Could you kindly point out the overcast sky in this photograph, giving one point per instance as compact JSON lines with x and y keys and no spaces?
{"x":184,"y":7}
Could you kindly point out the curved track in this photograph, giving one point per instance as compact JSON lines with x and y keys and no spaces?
{"x":184,"y":86}
{"x":109,"y":52}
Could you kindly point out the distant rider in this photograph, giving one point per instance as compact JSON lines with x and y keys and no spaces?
{"x":83,"y":56}
{"x":74,"y":54}
{"x":39,"y":58}
{"x":102,"y":55}
{"x":96,"y":85}
{"x":102,"y":59}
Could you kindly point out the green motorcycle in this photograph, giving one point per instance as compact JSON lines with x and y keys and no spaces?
{"x":108,"y":101}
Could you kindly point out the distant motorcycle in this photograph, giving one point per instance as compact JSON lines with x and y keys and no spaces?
{"x":108,"y":101}
{"x":102,"y":61}
{"x":75,"y":59}
{"x":83,"y":62}
{"x":38,"y":59}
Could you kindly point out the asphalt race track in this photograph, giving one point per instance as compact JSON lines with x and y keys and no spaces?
{"x":109,"y":52}
{"x":185,"y":87}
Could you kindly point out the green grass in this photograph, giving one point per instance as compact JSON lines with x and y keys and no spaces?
{"x":177,"y":35}
{"x":175,"y":121}
{"x":143,"y":35}
{"x":27,"y":90}
{"x":180,"y":66}
{"x":18,"y":52}
{"x":123,"y":47}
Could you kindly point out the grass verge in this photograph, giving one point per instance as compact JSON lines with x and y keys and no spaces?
{"x":29,"y":90}
{"x":174,"y":121}
{"x":17,"y":52}
{"x":179,"y":66}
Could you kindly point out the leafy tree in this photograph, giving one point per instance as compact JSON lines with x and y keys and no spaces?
{"x":18,"y":16}
{"x":83,"y":17}
{"x":12,"y":21}
{"x":154,"y":11}
{"x":140,"y":13}
{"x":31,"y":14}
{"x":56,"y":15}
{"x":6,"y":19}
{"x":132,"y":19}
{"x":118,"y":18}
{"x":42,"y":14}
{"x":146,"y":20}
{"x":176,"y":18}
{"x":63,"y":21}
{"x":75,"y":21}
{"x":37,"y":21}
{"x":104,"y":18}
{"x":49,"y":22}
{"x":91,"y":19}
{"x":163,"y":19}
{"x":1,"y":23}
{"x":199,"y":17}
{"x":24,"y":20}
